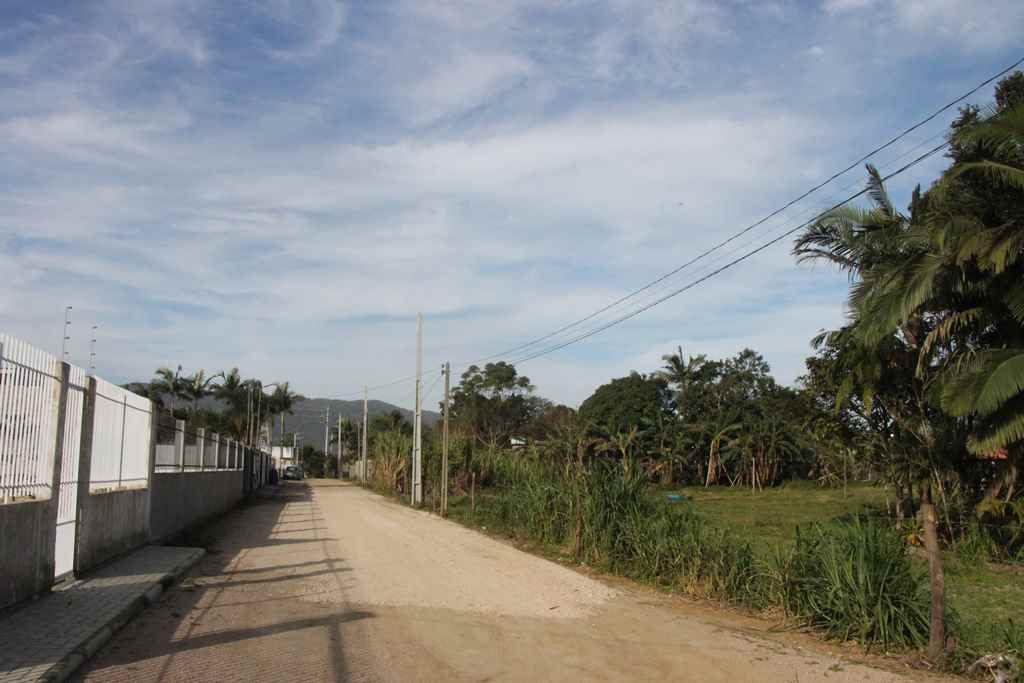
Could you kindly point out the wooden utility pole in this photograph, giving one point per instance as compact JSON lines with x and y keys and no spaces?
{"x":417,"y":429}
{"x":444,"y":444}
{"x":365,"y":421}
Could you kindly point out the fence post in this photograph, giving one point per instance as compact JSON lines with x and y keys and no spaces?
{"x":154,"y":428}
{"x":124,"y":422}
{"x":216,"y":451}
{"x":84,"y":465}
{"x":49,"y":564}
{"x":201,"y":447}
{"x":179,"y":443}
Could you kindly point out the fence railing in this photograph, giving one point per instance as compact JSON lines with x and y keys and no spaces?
{"x":29,"y":394}
{"x":32,"y":385}
{"x":122,"y":425}
{"x":182,"y":448}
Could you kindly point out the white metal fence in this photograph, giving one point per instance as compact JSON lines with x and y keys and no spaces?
{"x":67,"y":500}
{"x":120,"y":438}
{"x":182,"y":448}
{"x":39,"y":449}
{"x":29,"y":393}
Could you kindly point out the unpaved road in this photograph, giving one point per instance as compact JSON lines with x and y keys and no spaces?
{"x":329,"y":582}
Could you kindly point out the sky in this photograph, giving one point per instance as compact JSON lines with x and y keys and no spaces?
{"x":281,"y":185}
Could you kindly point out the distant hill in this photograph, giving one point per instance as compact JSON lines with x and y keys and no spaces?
{"x":308,"y":419}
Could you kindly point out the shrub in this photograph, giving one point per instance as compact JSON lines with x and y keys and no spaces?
{"x":854,"y":580}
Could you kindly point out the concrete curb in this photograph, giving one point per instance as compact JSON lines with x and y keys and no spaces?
{"x":63,"y":669}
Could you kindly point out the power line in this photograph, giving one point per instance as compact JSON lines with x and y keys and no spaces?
{"x":754,"y":237}
{"x":725,"y":267}
{"x":754,"y":225}
{"x":716,"y":247}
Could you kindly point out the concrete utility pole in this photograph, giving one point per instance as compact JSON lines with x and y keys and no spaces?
{"x":327,"y":429}
{"x":365,"y":421}
{"x":444,"y":443}
{"x":338,"y":470}
{"x":417,"y":428}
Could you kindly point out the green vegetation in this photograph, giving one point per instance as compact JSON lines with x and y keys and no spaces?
{"x":770,"y":518}
{"x":244,"y":411}
{"x":920,"y":393}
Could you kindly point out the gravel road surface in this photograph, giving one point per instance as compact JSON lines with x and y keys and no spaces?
{"x":326,"y":581}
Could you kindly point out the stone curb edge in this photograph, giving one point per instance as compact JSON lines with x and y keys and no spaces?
{"x":63,"y":669}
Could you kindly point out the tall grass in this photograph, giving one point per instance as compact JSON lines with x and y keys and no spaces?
{"x":854,"y":580}
{"x":604,"y":516}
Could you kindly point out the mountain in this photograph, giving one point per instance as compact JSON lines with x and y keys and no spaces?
{"x":308,"y":419}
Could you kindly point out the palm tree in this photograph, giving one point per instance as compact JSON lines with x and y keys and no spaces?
{"x":887,"y":256}
{"x":197,"y":386}
{"x":281,"y":402}
{"x":234,"y":393}
{"x":168,"y":383}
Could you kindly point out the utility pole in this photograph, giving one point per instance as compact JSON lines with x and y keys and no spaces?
{"x":327,"y":429}
{"x":338,"y":470}
{"x":417,"y":429}
{"x":365,"y":421}
{"x":444,"y":443}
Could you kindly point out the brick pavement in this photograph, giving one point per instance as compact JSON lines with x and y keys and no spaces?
{"x":264,"y":604}
{"x":39,"y":640}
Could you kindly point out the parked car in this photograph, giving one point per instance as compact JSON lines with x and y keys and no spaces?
{"x":292,"y":472}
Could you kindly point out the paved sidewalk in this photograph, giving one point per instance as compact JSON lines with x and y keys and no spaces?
{"x":264,"y":604}
{"x":50,"y":638}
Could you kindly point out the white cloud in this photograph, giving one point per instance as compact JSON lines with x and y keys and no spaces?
{"x":839,"y":6}
{"x":502,"y":167}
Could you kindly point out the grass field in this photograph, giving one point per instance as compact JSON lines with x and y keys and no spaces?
{"x":770,"y":516}
{"x":984,"y":596}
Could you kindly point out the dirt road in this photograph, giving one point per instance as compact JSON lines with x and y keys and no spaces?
{"x":329,"y":582}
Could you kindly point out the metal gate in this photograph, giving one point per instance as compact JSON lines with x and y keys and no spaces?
{"x":67,"y":497}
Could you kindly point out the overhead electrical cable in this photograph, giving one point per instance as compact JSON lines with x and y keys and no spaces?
{"x":771,"y":215}
{"x":732,"y":238}
{"x":730,"y":264}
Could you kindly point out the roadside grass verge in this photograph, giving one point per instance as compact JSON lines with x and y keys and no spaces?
{"x":799,"y":548}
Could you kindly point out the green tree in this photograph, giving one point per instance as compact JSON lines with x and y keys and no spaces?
{"x":635,"y":401}
{"x":169,"y":383}
{"x":282,"y":402}
{"x":197,"y":386}
{"x":495,"y":403}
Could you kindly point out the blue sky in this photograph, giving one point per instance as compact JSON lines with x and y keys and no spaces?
{"x":281,"y":185}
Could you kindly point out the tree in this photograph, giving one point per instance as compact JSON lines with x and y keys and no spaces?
{"x":234,"y":393}
{"x":196,"y":387}
{"x":169,"y":383}
{"x":494,"y":403}
{"x":635,"y":401}
{"x":281,"y":403}
{"x":874,"y":246}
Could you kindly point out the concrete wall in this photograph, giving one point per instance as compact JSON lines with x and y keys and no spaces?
{"x":112,"y":523}
{"x":184,"y":499}
{"x":26,"y":550}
